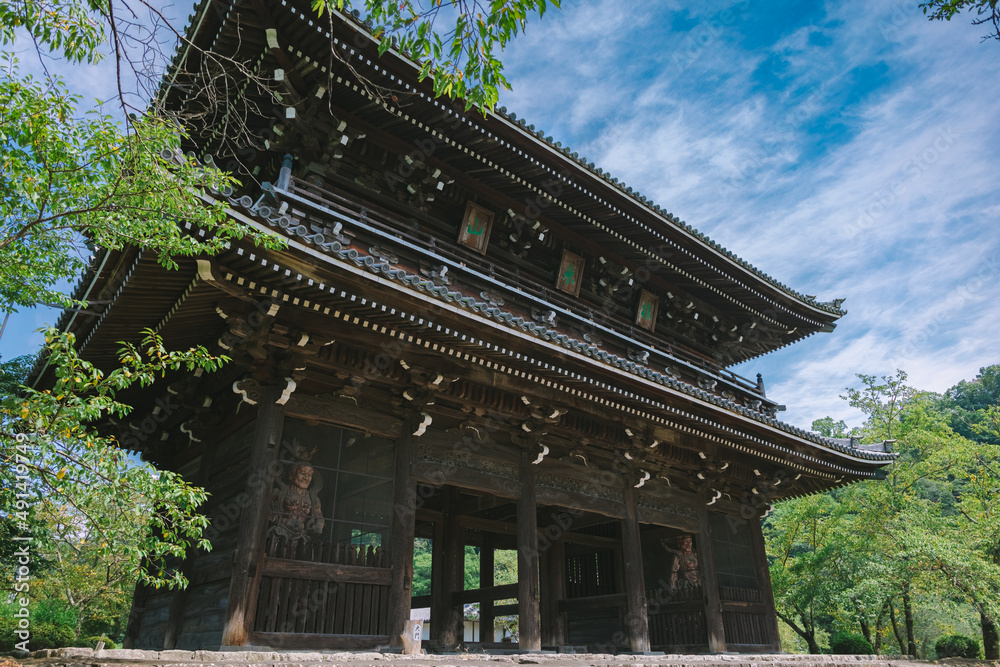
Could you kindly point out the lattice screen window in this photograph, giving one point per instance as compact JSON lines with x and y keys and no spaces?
{"x":351,"y":482}
{"x":734,"y":559}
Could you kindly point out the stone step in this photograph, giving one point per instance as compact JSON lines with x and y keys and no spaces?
{"x":73,"y":657}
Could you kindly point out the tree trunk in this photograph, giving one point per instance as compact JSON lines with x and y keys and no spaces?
{"x":911,"y":641}
{"x":866,"y":630}
{"x":991,"y":638}
{"x":878,"y":627}
{"x":895,"y":629}
{"x":808,"y":635}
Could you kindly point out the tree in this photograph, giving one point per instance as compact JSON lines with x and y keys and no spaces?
{"x":461,"y":59}
{"x":883,"y":403}
{"x":801,"y":565}
{"x":829,"y":428}
{"x":80,"y":575}
{"x":53,"y":455}
{"x":971,"y":402}
{"x":920,"y":543}
{"x":986,"y":12}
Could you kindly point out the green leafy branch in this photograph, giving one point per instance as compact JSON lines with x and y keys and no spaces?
{"x":461,"y":61}
{"x":72,"y":463}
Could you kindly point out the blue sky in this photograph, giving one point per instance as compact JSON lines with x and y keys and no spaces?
{"x":847,"y":148}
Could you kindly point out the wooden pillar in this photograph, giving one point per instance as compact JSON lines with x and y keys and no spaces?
{"x":553,"y":575}
{"x":636,"y":621}
{"x":764,"y":581}
{"x":438,"y":610}
{"x":447,"y":617}
{"x":253,"y":520}
{"x":487,"y":578}
{"x":529,"y":632}
{"x":404,"y":508}
{"x":710,"y":585}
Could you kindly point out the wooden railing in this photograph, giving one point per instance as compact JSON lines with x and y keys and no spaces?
{"x":677,"y":619}
{"x":738,"y":594}
{"x":316,"y":551}
{"x":678,"y":630}
{"x":746,"y":628}
{"x":316,"y":595}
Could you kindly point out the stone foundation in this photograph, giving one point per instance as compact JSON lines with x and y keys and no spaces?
{"x":73,"y":657}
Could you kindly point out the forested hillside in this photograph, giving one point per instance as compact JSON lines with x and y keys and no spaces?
{"x":912,"y":558}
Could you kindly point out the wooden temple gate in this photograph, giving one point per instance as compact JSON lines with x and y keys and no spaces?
{"x":471,"y":335}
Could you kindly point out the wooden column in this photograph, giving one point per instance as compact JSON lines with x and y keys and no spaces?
{"x":764,"y":581}
{"x":487,"y":578}
{"x":710,"y":585}
{"x":438,"y":610}
{"x":529,"y":632}
{"x":636,"y":621}
{"x":404,"y":508}
{"x":253,"y":520}
{"x":553,"y":575}
{"x":447,"y":616}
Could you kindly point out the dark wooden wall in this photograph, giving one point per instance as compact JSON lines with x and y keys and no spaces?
{"x":192,"y":619}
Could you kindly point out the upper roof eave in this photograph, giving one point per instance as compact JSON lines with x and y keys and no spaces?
{"x":568,"y":157}
{"x":668,"y":221}
{"x":722,"y":257}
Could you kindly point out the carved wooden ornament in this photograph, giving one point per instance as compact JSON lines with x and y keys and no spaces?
{"x":476,"y":226}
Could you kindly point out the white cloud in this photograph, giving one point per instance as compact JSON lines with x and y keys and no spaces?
{"x":865,"y":169}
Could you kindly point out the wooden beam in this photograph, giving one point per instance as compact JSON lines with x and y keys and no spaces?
{"x":293,"y":640}
{"x":348,"y":574}
{"x":506,"y":610}
{"x":491,"y":593}
{"x":529,"y":631}
{"x":662,"y":518}
{"x":593,"y":602}
{"x":710,"y":585}
{"x":436,"y":474}
{"x":253,"y":520}
{"x":507,"y":528}
{"x":636,"y":622}
{"x":343,"y":412}
{"x":404,"y":506}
